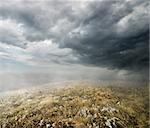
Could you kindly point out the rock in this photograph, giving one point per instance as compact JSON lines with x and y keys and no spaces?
{"x":48,"y":125}
{"x":53,"y":124}
{"x":111,"y":123}
{"x":95,"y":115}
{"x":83,"y":112}
{"x":109,"y":109}
{"x":41,"y":123}
{"x":94,"y":125}
{"x":89,"y":125}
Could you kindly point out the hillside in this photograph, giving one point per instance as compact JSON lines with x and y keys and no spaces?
{"x":78,"y":106}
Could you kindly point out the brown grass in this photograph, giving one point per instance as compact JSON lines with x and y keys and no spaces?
{"x":81,"y":106}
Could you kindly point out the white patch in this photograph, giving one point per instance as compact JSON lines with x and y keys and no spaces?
{"x":109,"y":109}
{"x":111,"y":123}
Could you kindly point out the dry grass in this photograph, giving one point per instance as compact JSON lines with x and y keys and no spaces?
{"x":77,"y":107}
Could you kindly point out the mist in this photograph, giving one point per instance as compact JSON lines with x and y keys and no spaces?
{"x":39,"y":77}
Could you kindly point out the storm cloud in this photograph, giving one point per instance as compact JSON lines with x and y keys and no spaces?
{"x":112,"y":34}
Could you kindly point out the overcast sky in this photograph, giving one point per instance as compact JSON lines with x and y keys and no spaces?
{"x":102,"y":36}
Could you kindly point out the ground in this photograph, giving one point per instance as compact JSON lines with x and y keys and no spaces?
{"x":77,"y":106}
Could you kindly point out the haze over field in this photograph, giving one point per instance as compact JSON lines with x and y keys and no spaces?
{"x":55,"y":41}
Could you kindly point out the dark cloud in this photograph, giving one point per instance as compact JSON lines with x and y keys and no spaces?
{"x":112,"y":34}
{"x":130,"y":53}
{"x":116,"y":38}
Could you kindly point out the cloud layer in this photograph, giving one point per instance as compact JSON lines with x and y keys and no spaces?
{"x":112,"y":34}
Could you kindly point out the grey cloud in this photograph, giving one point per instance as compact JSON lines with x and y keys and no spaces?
{"x":104,"y":46}
{"x":11,"y":33}
{"x":112,"y":34}
{"x":39,"y":17}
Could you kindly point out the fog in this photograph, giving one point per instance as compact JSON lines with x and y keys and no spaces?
{"x":37,"y":77}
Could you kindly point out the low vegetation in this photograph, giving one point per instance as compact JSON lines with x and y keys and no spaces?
{"x":80,"y":106}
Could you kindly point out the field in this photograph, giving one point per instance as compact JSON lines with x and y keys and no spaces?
{"x":76,"y":106}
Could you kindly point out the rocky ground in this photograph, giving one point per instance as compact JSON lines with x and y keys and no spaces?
{"x":78,"y":106}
